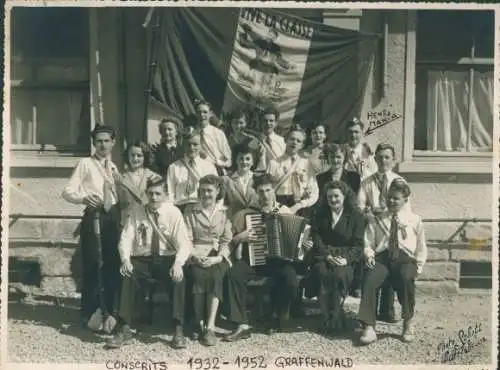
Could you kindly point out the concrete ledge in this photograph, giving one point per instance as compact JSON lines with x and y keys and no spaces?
{"x":437,"y":254}
{"x":436,"y":288}
{"x":437,"y":271}
{"x":471,"y":255}
{"x":40,"y":228}
{"x":61,"y":286}
{"x":53,"y":261}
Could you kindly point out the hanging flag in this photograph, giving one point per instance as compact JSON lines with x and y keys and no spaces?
{"x":256,"y":57}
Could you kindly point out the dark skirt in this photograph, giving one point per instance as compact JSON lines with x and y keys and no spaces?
{"x":324,"y":277}
{"x":209,"y":280}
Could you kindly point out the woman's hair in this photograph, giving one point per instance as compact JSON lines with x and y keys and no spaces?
{"x":242,"y":149}
{"x":145,"y":151}
{"x":330,"y":149}
{"x":350,"y":200}
{"x":216,"y":181}
{"x":399,"y":184}
{"x":176,"y":121}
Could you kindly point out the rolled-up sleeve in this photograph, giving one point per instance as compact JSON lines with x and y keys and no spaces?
{"x":127,"y":240}
{"x":73,"y":191}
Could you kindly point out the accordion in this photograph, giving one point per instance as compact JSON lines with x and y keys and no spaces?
{"x":278,"y":236}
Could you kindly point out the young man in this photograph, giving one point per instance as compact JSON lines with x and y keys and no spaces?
{"x":167,"y":151}
{"x":285,"y":286}
{"x":213,"y":142}
{"x":269,"y":145}
{"x":183,"y":176}
{"x":154,"y":244}
{"x":92,"y":184}
{"x":359,"y":157}
{"x":293,"y":176}
{"x":373,"y":200}
{"x":395,"y":249}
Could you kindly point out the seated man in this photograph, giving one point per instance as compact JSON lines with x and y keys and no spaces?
{"x":155,"y":245}
{"x":395,"y":249}
{"x":285,"y":286}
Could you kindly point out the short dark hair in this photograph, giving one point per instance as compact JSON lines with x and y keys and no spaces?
{"x":154,"y":182}
{"x":355,"y":122}
{"x":145,"y":151}
{"x":198,"y":102}
{"x":385,"y":146}
{"x":239,"y":113}
{"x":215,"y":181}
{"x":400,"y":184}
{"x":270,"y":110}
{"x":103,"y":129}
{"x":261,"y":180}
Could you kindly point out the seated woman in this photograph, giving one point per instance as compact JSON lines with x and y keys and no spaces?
{"x":337,"y":233}
{"x":239,"y":190}
{"x":210,"y":231}
{"x":132,"y":183}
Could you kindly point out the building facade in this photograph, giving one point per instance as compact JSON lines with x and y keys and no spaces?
{"x":89,"y":65}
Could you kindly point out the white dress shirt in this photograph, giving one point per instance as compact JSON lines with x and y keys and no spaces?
{"x":369,"y":192}
{"x":216,"y":147}
{"x":359,"y":160}
{"x":305,"y":188}
{"x":411,"y":235}
{"x":137,"y":234}
{"x":87,"y":180}
{"x":180,"y":179}
{"x":277,"y":146}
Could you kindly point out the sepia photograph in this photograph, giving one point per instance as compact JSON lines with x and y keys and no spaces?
{"x":227,"y":185}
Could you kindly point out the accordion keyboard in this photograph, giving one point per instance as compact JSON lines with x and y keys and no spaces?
{"x":257,"y":249}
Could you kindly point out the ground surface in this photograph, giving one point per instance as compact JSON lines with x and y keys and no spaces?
{"x":42,"y":332}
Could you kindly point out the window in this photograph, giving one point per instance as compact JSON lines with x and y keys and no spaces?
{"x":50,"y":95}
{"x":454,"y":82}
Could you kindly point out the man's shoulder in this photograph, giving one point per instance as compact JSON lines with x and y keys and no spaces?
{"x":170,"y":210}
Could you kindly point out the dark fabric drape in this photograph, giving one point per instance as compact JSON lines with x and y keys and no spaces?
{"x":194,"y":55}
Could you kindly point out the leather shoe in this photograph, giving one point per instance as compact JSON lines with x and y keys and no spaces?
{"x":237,"y":335}
{"x":178,"y":340}
{"x":122,"y":338}
{"x":209,"y":338}
{"x":369,"y":335}
{"x":408,"y":331}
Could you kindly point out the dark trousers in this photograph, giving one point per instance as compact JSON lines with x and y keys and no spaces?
{"x":401,"y":274}
{"x":334,"y":282}
{"x":109,"y":223}
{"x":236,"y":291}
{"x":134,"y":288}
{"x":284,"y":286}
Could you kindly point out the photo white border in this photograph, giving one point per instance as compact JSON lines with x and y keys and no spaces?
{"x":275,"y":4}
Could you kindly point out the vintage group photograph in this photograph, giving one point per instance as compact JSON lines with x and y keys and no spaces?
{"x":269,"y":186}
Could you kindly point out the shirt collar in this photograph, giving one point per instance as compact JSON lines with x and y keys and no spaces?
{"x":169,"y":145}
{"x":336,"y":215}
{"x":218,"y":207}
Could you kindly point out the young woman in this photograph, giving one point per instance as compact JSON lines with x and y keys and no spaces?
{"x":168,"y":150}
{"x":239,"y":121}
{"x":132,"y":183}
{"x":240,"y":193}
{"x":314,"y":152}
{"x":210,"y":231}
{"x":337,"y":233}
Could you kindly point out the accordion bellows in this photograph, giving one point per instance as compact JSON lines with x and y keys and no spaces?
{"x":278,"y":236}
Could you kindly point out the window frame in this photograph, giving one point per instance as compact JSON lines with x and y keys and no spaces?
{"x":422,"y":161}
{"x":46,"y":156}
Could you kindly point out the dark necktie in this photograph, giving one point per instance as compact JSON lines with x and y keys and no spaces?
{"x":393,"y":239}
{"x":382,"y":198}
{"x":155,"y":240}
